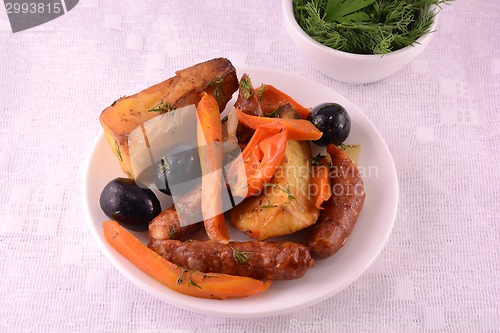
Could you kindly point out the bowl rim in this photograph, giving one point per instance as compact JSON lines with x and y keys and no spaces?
{"x":287,"y":6}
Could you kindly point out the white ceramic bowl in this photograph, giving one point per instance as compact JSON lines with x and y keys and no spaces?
{"x":350,"y":67}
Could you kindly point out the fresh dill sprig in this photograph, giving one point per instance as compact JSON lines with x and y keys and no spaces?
{"x":366,"y":26}
{"x":285,"y":190}
{"x":219,"y":91}
{"x":190,"y":282}
{"x":164,"y":164}
{"x":246,"y":86}
{"x":317,"y":160}
{"x":239,"y":256}
{"x":274,"y":114}
{"x":160,"y":107}
{"x":261,"y":91}
{"x":118,"y":151}
{"x":269,"y":205}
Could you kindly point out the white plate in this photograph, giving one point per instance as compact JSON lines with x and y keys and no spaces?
{"x":328,"y":276}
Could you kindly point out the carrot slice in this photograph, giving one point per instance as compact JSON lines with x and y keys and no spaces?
{"x":193,"y":283}
{"x":271,"y":98}
{"x":321,"y":184}
{"x":209,"y":134}
{"x":261,"y":157}
{"x":298,"y":129}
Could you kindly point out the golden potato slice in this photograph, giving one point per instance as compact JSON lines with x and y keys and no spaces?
{"x":286,"y":204}
{"x":217,"y":77}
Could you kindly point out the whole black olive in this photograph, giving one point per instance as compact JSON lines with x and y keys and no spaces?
{"x":180,"y":166}
{"x":333,"y":120}
{"x":129,"y":204}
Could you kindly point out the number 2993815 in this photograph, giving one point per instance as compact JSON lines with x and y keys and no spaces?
{"x":32,"y":8}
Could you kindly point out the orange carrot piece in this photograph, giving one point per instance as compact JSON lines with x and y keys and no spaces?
{"x":298,"y":129}
{"x":209,"y":139}
{"x":261,"y":157}
{"x":271,"y":98}
{"x":321,"y":184}
{"x":193,"y":283}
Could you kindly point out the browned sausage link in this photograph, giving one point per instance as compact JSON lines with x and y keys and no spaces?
{"x":166,"y":225}
{"x":260,"y":260}
{"x":341,"y":211}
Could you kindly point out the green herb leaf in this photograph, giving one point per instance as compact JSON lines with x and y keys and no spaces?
{"x":366,"y":26}
{"x":285,"y":190}
{"x":164,"y":165}
{"x":261,"y":91}
{"x":246,"y":86}
{"x":181,"y":277}
{"x":219,"y":91}
{"x":274,"y":114}
{"x":190,"y":282}
{"x":240,"y":257}
{"x":269,"y":205}
{"x":118,"y":152}
{"x":161,"y":107}
{"x":316,"y":160}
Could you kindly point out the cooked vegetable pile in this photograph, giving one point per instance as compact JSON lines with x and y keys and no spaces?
{"x":259,"y":157}
{"x":365,"y":26}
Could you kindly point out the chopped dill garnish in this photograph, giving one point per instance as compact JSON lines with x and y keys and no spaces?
{"x":219,"y":91}
{"x":285,"y":190}
{"x":261,"y":91}
{"x":316,"y":160}
{"x":274,"y":114}
{"x":239,"y":256}
{"x":164,"y":165}
{"x":366,"y":26}
{"x":160,"y":107}
{"x":246,"y":86}
{"x":118,"y":152}
{"x":190,"y":282}
{"x":268,"y":205}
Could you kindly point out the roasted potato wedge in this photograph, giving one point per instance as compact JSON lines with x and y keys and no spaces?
{"x":285,"y":206}
{"x":217,"y":77}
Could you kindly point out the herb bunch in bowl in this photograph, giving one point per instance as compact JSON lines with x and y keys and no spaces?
{"x":366,"y":26}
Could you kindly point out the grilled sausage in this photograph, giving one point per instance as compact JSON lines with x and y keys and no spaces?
{"x":341,"y":211}
{"x":167,"y":225}
{"x":260,"y":260}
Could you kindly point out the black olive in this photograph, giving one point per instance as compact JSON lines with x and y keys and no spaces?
{"x":130,"y":204}
{"x":180,"y":166}
{"x":333,"y":120}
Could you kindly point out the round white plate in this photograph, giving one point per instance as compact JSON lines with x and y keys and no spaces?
{"x":328,"y":276}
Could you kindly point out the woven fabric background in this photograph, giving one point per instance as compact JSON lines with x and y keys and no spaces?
{"x":440,"y":117}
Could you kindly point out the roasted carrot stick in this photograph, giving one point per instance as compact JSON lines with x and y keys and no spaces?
{"x":209,"y":136}
{"x":193,"y":283}
{"x":271,"y":98}
{"x":261,"y":157}
{"x":298,"y":129}
{"x":321,"y":184}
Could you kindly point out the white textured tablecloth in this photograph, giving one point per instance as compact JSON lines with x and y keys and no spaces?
{"x":440,"y":117}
